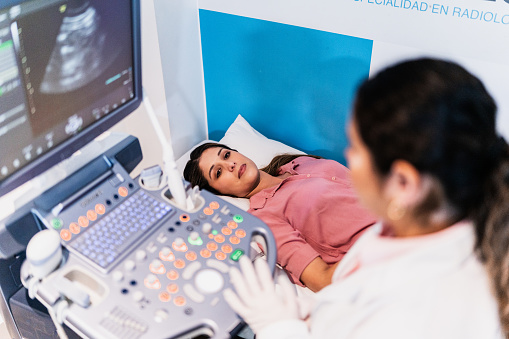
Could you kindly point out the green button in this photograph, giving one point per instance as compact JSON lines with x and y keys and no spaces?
{"x":214,"y":232}
{"x":57,"y":223}
{"x":235,"y":256}
{"x":238,"y":218}
{"x":197,"y":242}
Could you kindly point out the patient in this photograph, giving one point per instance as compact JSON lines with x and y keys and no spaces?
{"x":308,"y":203}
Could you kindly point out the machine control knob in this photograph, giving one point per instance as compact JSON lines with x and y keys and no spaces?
{"x":129,"y":265}
{"x":206,"y":228}
{"x":194,"y":235}
{"x":138,"y":296}
{"x":165,"y":251}
{"x":179,"y":242}
{"x":44,"y":253}
{"x":160,"y":315}
{"x":118,"y":276}
{"x":141,"y":255}
{"x":151,"y":279}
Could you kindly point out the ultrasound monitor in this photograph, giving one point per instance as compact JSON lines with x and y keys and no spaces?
{"x":69,"y":70}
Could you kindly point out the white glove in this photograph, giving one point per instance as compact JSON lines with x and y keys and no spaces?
{"x":256,"y":300}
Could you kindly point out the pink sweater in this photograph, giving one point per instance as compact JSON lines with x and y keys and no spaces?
{"x":314,"y":212}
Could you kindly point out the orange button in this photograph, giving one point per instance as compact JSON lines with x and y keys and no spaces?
{"x":74,"y":228}
{"x":100,"y":209}
{"x":122,"y":191}
{"x":179,"y":301}
{"x":214,"y":205}
{"x":82,"y":221}
{"x":205,"y":253}
{"x":240,"y":233}
{"x":164,"y":297}
{"x":208,"y":211}
{"x":172,"y":275}
{"x":232,"y":224}
{"x":219,"y":238}
{"x":234,"y":240}
{"x":184,"y":218}
{"x":169,"y":257}
{"x":157,"y":269}
{"x":226,"y":248}
{"x":156,"y":284}
{"x":212,"y":246}
{"x":211,"y":236}
{"x":191,"y":256}
{"x":226,"y":230}
{"x":91,"y":215}
{"x":220,"y":256}
{"x":172,"y":288}
{"x":65,"y":234}
{"x":179,"y":263}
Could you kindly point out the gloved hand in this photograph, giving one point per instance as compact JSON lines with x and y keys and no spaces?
{"x":256,"y":300}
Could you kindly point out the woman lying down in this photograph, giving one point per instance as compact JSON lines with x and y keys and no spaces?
{"x":308,"y":203}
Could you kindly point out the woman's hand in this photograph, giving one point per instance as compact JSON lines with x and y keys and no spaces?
{"x":256,"y":300}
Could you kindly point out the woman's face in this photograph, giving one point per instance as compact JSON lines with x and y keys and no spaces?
{"x":366,"y":179}
{"x":229,"y":172}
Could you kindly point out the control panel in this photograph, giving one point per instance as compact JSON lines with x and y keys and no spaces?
{"x":135,"y":266}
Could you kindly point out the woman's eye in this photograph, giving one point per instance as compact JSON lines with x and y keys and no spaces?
{"x":218,"y":173}
{"x":227,"y":155}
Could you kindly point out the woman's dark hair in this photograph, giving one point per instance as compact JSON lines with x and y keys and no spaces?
{"x":192,"y":171}
{"x":440,"y":118}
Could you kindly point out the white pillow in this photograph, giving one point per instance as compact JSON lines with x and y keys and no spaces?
{"x":251,"y":143}
{"x":254,"y":145}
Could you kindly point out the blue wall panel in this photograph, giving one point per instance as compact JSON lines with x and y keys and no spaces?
{"x":292,"y":84}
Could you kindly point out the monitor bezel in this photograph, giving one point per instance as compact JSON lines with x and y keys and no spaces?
{"x":67,"y":148}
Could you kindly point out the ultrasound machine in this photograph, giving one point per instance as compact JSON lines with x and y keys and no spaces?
{"x":92,"y":252}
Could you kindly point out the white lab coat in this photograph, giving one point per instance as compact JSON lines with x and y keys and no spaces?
{"x":436,"y":288}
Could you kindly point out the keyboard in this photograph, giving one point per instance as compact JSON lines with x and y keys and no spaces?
{"x":105,"y":241}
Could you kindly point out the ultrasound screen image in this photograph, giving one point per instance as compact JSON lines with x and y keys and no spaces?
{"x":78,"y":57}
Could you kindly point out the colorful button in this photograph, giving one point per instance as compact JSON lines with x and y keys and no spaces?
{"x":184,"y":218}
{"x":219,"y":238}
{"x":100,"y":209}
{"x":166,"y":254}
{"x":83,"y":221}
{"x":226,"y":230}
{"x":57,"y":223}
{"x":157,"y":267}
{"x":214,"y":205}
{"x":179,"y":263}
{"x":172,"y":275}
{"x":172,"y":288}
{"x":208,"y":211}
{"x":226,"y":248}
{"x":235,"y":256}
{"x":205,"y":253}
{"x":234,"y":240}
{"x":212,"y":246}
{"x":164,"y":297}
{"x":240,"y":233}
{"x":220,"y":256}
{"x":232,"y":224}
{"x":152,"y":282}
{"x":91,"y":215}
{"x":122,"y":191}
{"x":179,"y":301}
{"x":191,"y":256}
{"x":74,"y":228}
{"x":238,"y":218}
{"x":65,"y":234}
